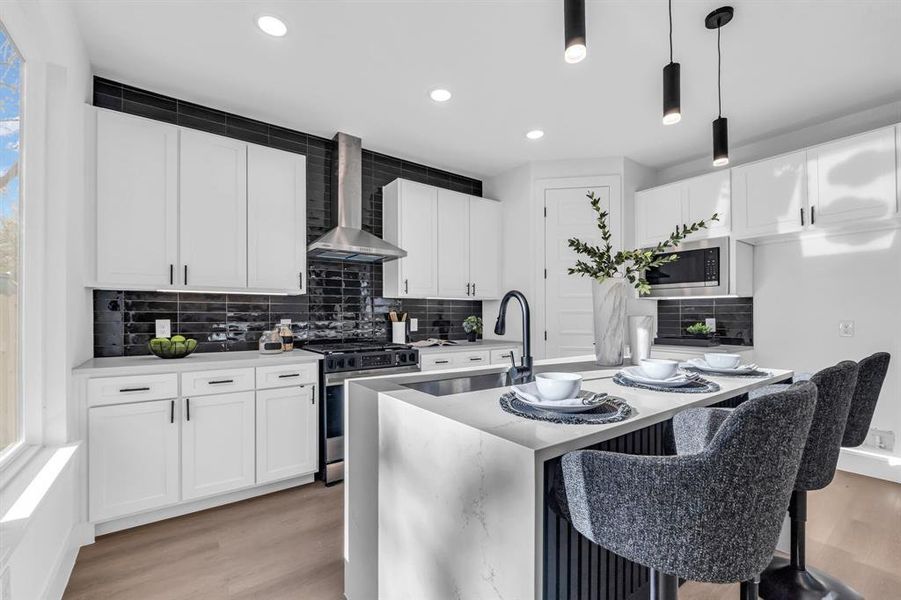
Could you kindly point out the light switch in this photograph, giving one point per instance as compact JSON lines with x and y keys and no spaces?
{"x":163,"y":328}
{"x":846,"y":328}
{"x":414,"y":324}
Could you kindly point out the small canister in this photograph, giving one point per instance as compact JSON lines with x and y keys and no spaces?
{"x":271,"y":343}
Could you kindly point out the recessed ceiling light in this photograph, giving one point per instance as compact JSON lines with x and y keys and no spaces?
{"x":272,"y":25}
{"x":535,"y":134}
{"x":440,"y":95}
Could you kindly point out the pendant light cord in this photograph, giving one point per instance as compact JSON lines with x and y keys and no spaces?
{"x":671,"y":31}
{"x":719,"y":70}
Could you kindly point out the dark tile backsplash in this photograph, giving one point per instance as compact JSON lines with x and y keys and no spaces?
{"x":734,"y":318}
{"x":343,"y":300}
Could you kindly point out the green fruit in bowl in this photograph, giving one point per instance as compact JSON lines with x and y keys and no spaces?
{"x":175,"y":347}
{"x":177,"y":338}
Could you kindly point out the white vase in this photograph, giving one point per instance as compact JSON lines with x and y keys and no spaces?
{"x":609,"y":302}
{"x":641,"y":333}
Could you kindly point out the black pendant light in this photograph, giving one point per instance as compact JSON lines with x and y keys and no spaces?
{"x":574,"y":30}
{"x":716,"y":20}
{"x":672,"y":101}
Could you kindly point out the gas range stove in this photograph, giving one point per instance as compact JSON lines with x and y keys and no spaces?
{"x":363,"y":355}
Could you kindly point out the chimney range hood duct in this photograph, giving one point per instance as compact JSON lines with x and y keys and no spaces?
{"x":347,"y":241}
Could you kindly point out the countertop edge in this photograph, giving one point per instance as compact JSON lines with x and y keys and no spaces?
{"x":201,"y":361}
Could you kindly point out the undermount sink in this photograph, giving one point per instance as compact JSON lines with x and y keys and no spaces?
{"x":460,"y":385}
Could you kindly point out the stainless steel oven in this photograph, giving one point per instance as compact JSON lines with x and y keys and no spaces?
{"x":702,"y":269}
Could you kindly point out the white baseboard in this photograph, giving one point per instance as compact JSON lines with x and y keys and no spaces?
{"x":81,"y":534}
{"x":870,"y":463}
{"x":184,"y":508}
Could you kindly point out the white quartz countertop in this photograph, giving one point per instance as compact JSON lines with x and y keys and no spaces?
{"x":481,"y":409}
{"x":701,"y":349}
{"x":464,"y":346}
{"x":194,"y":362}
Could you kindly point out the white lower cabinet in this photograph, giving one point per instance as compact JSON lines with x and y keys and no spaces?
{"x":287,"y":427}
{"x":468,"y":358}
{"x":217,"y":444}
{"x":133,"y":457}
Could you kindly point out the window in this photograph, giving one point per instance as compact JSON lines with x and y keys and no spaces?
{"x":10,"y":243}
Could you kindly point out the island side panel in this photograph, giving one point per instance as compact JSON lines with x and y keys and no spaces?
{"x":456,"y":509}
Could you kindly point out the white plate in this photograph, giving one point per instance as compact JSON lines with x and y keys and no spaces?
{"x":637,"y":375}
{"x":701,"y":365}
{"x":573,"y":405}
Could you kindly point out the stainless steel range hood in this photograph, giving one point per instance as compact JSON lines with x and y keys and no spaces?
{"x":347,"y":241}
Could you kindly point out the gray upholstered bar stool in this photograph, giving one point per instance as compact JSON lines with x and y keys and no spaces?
{"x":711,"y":516}
{"x":835,"y":387}
{"x":791,"y":578}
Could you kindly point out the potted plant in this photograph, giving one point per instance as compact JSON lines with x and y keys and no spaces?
{"x":700,"y":331}
{"x":612,"y":272}
{"x":472,"y":325}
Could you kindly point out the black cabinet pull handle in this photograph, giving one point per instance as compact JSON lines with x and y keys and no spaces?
{"x":140,"y":389}
{"x":467,"y":289}
{"x":300,"y":280}
{"x":172,"y":411}
{"x":813,"y":215}
{"x":406,"y":286}
{"x":285,"y":376}
{"x":802,"y":217}
{"x":440,"y":362}
{"x":474,"y":358}
{"x":188,"y":408}
{"x":171,"y":274}
{"x":473,"y":289}
{"x":186,"y":274}
{"x":218,"y":381}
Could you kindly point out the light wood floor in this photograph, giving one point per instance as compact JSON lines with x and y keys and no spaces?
{"x":288,"y":546}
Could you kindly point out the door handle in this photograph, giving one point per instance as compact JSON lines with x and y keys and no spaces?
{"x":802,"y":217}
{"x":186,"y":274}
{"x":138,"y":389}
{"x":188,"y":408}
{"x":813,"y":215}
{"x":467,"y":289}
{"x":172,"y":411}
{"x":473,"y":289}
{"x":476,"y":358}
{"x":441,"y":362}
{"x":171,"y":274}
{"x":406,"y":286}
{"x":300,"y":280}
{"x":219,"y":381}
{"x":289,"y":375}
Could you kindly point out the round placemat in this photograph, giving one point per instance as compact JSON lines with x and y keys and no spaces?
{"x":613,"y":409}
{"x":699,"y":386}
{"x":756,"y":374}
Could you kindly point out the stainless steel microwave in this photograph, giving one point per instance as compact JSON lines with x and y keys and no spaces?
{"x":702,"y":269}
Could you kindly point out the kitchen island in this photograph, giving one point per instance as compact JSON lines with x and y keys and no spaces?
{"x":451,"y":497}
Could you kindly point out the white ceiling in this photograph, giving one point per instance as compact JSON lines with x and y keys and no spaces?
{"x":366,"y":66}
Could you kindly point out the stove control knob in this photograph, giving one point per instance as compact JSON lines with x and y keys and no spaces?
{"x":340,"y":363}
{"x":351,"y":361}
{"x":330,"y":364}
{"x":401,"y":357}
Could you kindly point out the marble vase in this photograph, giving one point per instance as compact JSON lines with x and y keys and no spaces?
{"x":609,"y":303}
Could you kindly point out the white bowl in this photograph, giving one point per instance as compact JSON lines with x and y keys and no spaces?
{"x":558,"y":386}
{"x":659,"y":368}
{"x":719,"y":360}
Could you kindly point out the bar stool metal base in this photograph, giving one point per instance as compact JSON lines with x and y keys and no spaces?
{"x":782,"y":581}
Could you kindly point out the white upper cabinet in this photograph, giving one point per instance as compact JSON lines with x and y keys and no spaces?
{"x":770,"y":197}
{"x":704,"y":196}
{"x":657,"y":212}
{"x":484,"y":247}
{"x":213,"y":211}
{"x":276,"y":220}
{"x":452,"y":242}
{"x":218,"y":444}
{"x":137,"y":186}
{"x":410,"y":221}
{"x":133,"y":454}
{"x":454,"y":246}
{"x":853,"y":179}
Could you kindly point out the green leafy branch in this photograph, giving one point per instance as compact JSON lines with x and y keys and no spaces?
{"x":602,"y":262}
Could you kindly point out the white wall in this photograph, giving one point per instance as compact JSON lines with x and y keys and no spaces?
{"x":58,"y":326}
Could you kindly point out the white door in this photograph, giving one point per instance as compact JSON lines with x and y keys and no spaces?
{"x":137,"y":200}
{"x":568,"y":308}
{"x":453,"y":245}
{"x":213,"y":211}
{"x":657,"y":212}
{"x":853,"y":179}
{"x":770,"y":196}
{"x":133,"y":458}
{"x":705,"y":196}
{"x":276,"y":219}
{"x":287,"y":440}
{"x":485,"y":247}
{"x":217,"y":444}
{"x":418,"y":213}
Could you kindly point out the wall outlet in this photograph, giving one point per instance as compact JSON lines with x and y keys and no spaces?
{"x":880,"y":439}
{"x":163,"y":328}
{"x":846,"y":328}
{"x":284,"y":322}
{"x":711,"y":323}
{"x":414,"y":324}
